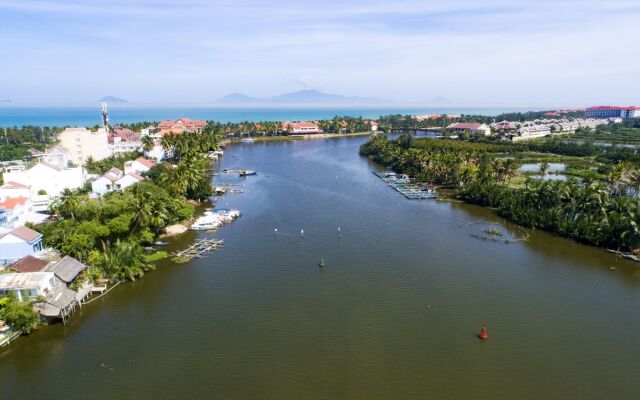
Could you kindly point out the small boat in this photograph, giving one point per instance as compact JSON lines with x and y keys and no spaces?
{"x":321,"y":262}
{"x":247,"y":140}
{"x":206,"y":222}
{"x":158,"y":243}
{"x":247,"y":172}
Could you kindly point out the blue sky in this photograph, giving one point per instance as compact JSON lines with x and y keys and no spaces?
{"x":471,"y":52}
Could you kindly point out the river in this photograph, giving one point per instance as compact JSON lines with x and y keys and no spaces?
{"x":394,"y":314}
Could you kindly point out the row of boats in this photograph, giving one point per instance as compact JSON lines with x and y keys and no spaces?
{"x":213,"y":219}
{"x":402,"y":184}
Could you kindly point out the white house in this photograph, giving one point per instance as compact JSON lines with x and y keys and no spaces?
{"x":27,"y":285}
{"x":106,"y":183}
{"x":58,"y":156}
{"x":20,"y":211}
{"x":48,"y":177}
{"x":14,"y":189}
{"x":19,"y":242}
{"x":475,"y":128}
{"x":138,"y":166}
{"x":129,"y":179}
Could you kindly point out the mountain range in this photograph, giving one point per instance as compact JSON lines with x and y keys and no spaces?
{"x":306,"y":97}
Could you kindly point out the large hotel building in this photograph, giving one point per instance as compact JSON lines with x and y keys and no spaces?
{"x":612,"y":112}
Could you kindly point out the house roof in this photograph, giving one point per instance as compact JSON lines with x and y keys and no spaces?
{"x":12,"y":202}
{"x":14,"y":185}
{"x":57,"y":147}
{"x":115,"y":170}
{"x":465,"y":125}
{"x":66,"y":269}
{"x":46,"y":164}
{"x":298,"y":125}
{"x":145,"y":162}
{"x":57,"y":300}
{"x":23,"y":233}
{"x":135,"y":176}
{"x":28,"y":264}
{"x":18,"y":280}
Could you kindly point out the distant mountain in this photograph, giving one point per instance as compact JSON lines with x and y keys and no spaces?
{"x":237,"y":98}
{"x":313,"y":97}
{"x":111,"y":99}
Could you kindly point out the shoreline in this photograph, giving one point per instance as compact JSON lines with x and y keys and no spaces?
{"x":283,"y":138}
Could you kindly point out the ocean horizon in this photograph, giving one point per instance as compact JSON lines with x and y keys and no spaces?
{"x":62,"y":116}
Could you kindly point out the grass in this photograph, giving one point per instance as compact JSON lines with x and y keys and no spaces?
{"x":161,"y":255}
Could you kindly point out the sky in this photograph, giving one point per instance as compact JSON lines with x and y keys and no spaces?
{"x":467,"y":52}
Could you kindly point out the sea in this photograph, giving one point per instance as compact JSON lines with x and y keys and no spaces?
{"x":13,"y":115}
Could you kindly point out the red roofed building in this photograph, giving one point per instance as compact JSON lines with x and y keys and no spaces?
{"x":302,"y":128}
{"x":28,"y":264}
{"x":612,"y":112}
{"x":181,"y":125}
{"x":459,"y":127}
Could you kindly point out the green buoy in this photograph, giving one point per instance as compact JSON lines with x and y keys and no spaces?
{"x":322,"y":262}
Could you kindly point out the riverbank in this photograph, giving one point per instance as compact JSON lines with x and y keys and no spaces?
{"x":297,"y":137}
{"x":595,"y":212}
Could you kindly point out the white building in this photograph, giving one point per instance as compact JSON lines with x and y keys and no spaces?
{"x":129,"y":179}
{"x":27,"y":285}
{"x":474,"y":128}
{"x":83,"y":143}
{"x":139,"y":165}
{"x":58,"y":156}
{"x":106,"y":183}
{"x":48,"y":177}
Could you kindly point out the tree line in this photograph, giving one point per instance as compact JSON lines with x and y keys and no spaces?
{"x":598,"y":213}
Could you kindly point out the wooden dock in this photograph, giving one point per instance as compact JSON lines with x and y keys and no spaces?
{"x":200,"y":248}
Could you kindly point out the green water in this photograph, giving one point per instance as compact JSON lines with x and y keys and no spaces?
{"x":394,"y":314}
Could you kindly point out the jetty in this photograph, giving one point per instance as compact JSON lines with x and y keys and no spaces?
{"x":200,"y":248}
{"x":402,"y":184}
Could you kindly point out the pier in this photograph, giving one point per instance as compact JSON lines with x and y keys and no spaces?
{"x":199,"y":249}
{"x":402,"y":184}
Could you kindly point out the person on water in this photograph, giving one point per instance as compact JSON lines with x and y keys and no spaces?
{"x":483,"y":333}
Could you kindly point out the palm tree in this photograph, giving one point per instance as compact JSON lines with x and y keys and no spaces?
{"x":124,"y":260}
{"x":67,"y":204}
{"x":147,"y":143}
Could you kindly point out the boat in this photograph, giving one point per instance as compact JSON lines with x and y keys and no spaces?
{"x":247,"y":172}
{"x":206,"y":222}
{"x":159,"y":243}
{"x":247,"y":140}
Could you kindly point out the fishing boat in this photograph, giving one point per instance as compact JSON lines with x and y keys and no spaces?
{"x":247,"y":172}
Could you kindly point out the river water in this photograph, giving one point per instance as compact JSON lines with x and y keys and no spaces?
{"x":394,"y":314}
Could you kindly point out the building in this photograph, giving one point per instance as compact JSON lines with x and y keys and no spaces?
{"x":67,"y":269}
{"x":19,"y":242}
{"x":58,"y":156}
{"x":504,"y":126}
{"x":83,"y":144}
{"x":302,"y":128}
{"x":106,"y":183}
{"x":20,"y":211}
{"x":612,"y":112}
{"x":127,"y":180}
{"x":47,"y":177}
{"x":475,"y":128}
{"x":28,"y":264}
{"x":139,"y":166}
{"x":14,"y":189}
{"x":124,"y":140}
{"x":181,"y":125}
{"x":532,"y":132}
{"x":27,"y":286}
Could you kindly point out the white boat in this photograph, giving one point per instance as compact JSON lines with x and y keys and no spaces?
{"x":206,"y":222}
{"x":247,"y":140}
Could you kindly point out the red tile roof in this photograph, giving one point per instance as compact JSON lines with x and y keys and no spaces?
{"x":12,"y":202}
{"x":28,"y":264}
{"x":145,"y":162}
{"x":465,"y":125}
{"x":614,"y":108}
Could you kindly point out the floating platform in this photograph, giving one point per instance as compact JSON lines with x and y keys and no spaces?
{"x":402,"y":184}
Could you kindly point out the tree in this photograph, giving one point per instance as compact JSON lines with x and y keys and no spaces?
{"x":544,"y":168}
{"x":19,"y":316}
{"x":147,"y":143}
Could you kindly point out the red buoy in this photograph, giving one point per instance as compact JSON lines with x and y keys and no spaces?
{"x":483,"y":333}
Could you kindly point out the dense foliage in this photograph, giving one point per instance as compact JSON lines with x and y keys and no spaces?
{"x":20,"y":316}
{"x":594,"y":212}
{"x":102,"y":166}
{"x":15,"y":142}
